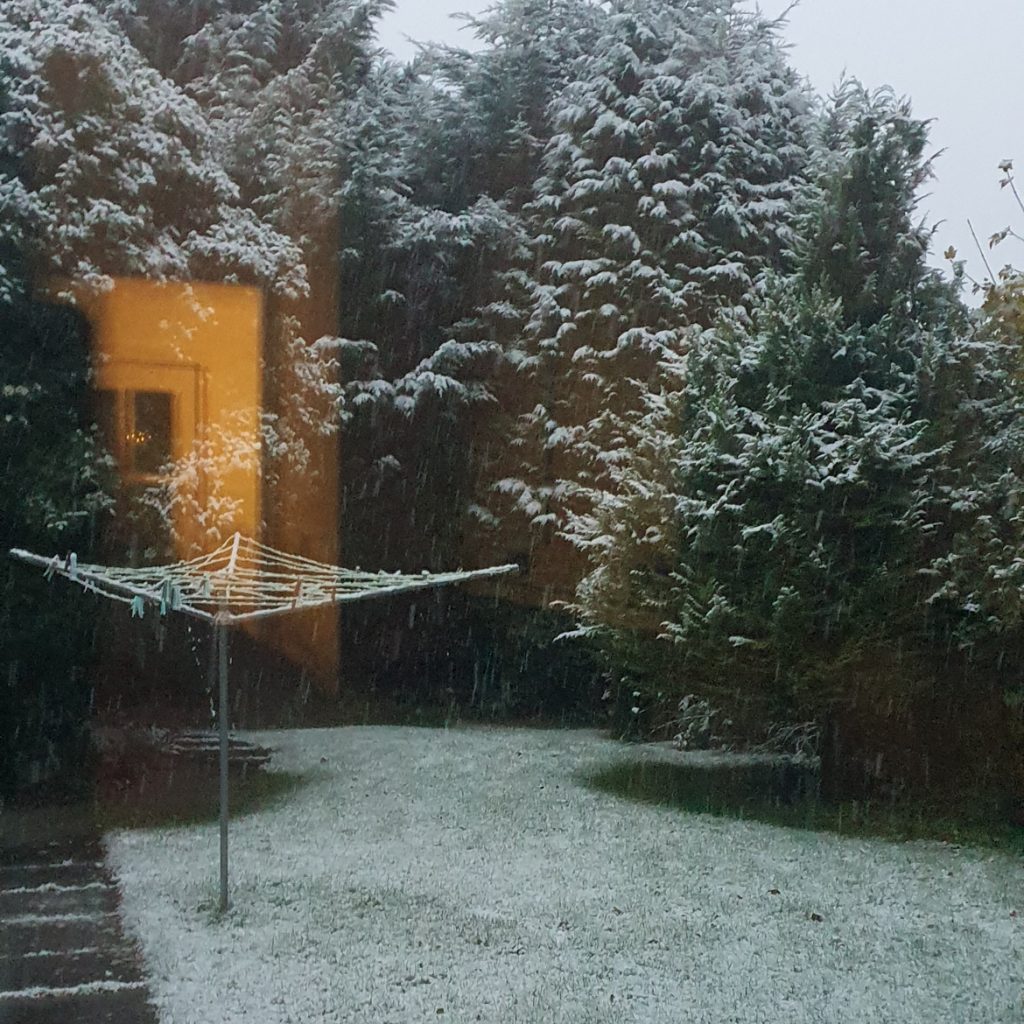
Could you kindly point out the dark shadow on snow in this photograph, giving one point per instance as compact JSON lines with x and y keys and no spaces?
{"x":786,"y":795}
{"x":187,"y":797}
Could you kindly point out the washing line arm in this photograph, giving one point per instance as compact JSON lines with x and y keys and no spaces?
{"x":404,"y":587}
{"x":102,"y":585}
{"x":401,"y":588}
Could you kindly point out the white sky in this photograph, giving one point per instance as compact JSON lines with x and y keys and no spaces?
{"x":959,"y":62}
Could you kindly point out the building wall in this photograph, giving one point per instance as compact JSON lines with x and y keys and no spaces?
{"x":302,"y":509}
{"x":203,"y":344}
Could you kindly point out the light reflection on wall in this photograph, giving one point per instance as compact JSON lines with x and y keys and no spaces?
{"x":179,"y":373}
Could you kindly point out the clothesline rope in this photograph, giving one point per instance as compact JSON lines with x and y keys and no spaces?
{"x":239,"y":581}
{"x":243,"y":579}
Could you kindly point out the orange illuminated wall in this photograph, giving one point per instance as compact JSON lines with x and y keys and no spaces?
{"x":194,"y":353}
{"x":200,"y":347}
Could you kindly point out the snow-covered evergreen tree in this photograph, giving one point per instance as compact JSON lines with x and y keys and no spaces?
{"x":490,"y":117}
{"x":843,"y":471}
{"x":54,"y":490}
{"x":434,"y":180}
{"x":668,"y":191}
{"x":745,"y":419}
{"x":113,"y":147}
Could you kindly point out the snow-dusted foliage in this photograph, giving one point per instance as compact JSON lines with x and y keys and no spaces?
{"x":430,"y":217}
{"x":796,"y":498}
{"x":409,"y":389}
{"x":1003,"y":289}
{"x":301,"y":112}
{"x":841,"y":470}
{"x":109,"y":148}
{"x":868,"y":246}
{"x":667,"y":191}
{"x":491,"y":108}
{"x":210,"y":141}
{"x":192,"y":490}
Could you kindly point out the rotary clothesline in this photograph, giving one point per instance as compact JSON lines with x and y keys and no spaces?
{"x":239,"y":581}
{"x":242,"y":580}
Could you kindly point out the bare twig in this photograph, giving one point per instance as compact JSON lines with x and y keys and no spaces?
{"x":1013,"y":189}
{"x":981,"y":252}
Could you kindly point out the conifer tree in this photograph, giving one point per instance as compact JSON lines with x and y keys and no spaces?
{"x":54,"y":490}
{"x":667,"y":192}
{"x":490,"y":108}
{"x":112,"y":147}
{"x":833,"y":477}
{"x":446,"y":153}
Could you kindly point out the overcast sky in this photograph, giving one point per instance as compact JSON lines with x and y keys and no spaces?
{"x":959,"y":62}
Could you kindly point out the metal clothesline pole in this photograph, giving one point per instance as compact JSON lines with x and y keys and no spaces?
{"x":221,"y":641}
{"x":154,"y":591}
{"x":223,"y":713}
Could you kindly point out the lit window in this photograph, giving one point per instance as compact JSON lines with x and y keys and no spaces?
{"x":137,"y":427}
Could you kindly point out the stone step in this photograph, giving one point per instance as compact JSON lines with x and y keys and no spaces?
{"x":128,"y":1005}
{"x":55,"y":852}
{"x":91,"y":898}
{"x":57,"y":872}
{"x":63,"y":956}
{"x":34,"y":933}
{"x":61,"y":969}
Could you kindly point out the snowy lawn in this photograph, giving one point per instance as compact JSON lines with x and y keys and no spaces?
{"x":469,"y":875}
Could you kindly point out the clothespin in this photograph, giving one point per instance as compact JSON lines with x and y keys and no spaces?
{"x":138,"y":607}
{"x":165,"y":596}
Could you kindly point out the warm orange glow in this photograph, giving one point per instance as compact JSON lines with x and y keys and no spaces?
{"x":201,"y":344}
{"x":181,"y":369}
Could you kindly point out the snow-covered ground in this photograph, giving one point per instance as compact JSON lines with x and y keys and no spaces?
{"x":467,"y":875}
